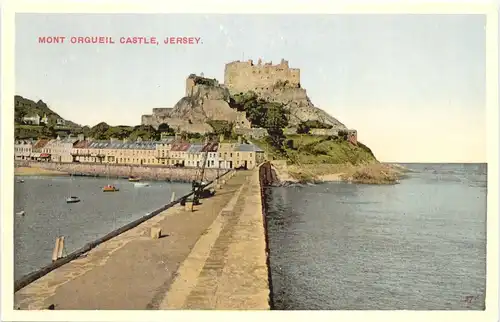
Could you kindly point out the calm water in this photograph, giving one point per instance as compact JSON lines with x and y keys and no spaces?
{"x":48,"y":215}
{"x":419,"y":245}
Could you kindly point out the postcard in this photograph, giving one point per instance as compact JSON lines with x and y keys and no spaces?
{"x":237,"y":161}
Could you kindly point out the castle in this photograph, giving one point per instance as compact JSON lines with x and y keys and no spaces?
{"x":246,"y":76}
{"x":206,"y":99}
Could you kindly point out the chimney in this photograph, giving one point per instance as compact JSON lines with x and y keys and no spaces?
{"x":221,"y":138}
{"x":239,"y":139}
{"x":125,"y":140}
{"x":112,"y":140}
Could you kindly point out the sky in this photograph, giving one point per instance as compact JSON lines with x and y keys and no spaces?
{"x":413,"y":86}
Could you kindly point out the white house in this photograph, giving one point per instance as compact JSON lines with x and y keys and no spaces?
{"x":22,"y":149}
{"x":193,"y":157}
{"x":33,"y":119}
{"x":61,"y":149}
{"x":213,"y":155}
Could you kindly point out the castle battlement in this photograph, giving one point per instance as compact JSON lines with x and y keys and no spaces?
{"x":243,"y":76}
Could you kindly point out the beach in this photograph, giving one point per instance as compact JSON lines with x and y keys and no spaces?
{"x":34,"y":171}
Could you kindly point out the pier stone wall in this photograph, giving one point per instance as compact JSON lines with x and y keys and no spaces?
{"x":147,"y":173}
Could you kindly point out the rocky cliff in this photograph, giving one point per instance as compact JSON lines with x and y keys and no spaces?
{"x":204,"y":102}
{"x":300,"y":106}
{"x":206,"y":99}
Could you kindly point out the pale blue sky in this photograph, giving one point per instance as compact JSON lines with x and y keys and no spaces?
{"x":412,"y":85}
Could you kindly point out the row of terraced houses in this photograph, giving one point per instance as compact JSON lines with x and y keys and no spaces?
{"x":169,"y":151}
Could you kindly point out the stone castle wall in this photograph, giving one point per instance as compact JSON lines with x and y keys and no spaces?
{"x":245,"y":76}
{"x":252,"y":133}
{"x":162,"y":111}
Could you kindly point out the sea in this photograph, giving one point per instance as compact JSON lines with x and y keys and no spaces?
{"x":417,"y":245}
{"x":47,"y":215}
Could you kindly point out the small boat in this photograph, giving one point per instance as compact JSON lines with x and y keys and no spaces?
{"x":110,"y":188}
{"x":134,"y":179}
{"x":20,"y":181}
{"x":72,"y":199}
{"x":21,"y":213}
{"x":141,"y":184}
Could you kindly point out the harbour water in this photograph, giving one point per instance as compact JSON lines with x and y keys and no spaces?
{"x":418,"y":245}
{"x":47,"y":215}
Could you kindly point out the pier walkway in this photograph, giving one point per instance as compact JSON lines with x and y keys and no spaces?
{"x":212,"y":258}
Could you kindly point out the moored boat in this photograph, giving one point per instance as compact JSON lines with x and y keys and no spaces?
{"x":72,"y":199}
{"x":110,"y":188}
{"x":134,"y":179}
{"x":141,"y":184}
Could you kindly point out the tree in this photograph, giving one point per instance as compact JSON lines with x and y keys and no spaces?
{"x":221,"y":127}
{"x":276,"y":118}
{"x":164,"y":127}
{"x":342,"y":135}
{"x":303,"y":128}
{"x":98,"y":131}
{"x":86,"y":130}
{"x":145,"y":132}
{"x":256,"y":113}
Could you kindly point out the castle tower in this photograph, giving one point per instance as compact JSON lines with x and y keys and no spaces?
{"x":245,"y":76}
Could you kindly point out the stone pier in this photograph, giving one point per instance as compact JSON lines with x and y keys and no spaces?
{"x":211,"y":258}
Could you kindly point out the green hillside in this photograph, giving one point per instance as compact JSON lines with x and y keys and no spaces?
{"x":26,"y":107}
{"x":309,"y":149}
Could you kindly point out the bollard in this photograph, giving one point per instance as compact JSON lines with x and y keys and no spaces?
{"x":155,"y":232}
{"x":61,"y":247}
{"x":173,"y":196}
{"x":55,"y":252}
{"x":189,"y":206}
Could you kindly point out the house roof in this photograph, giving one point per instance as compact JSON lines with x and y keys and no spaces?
{"x":25,"y":141}
{"x":68,"y":139}
{"x":247,"y":148}
{"x":143,"y":145}
{"x":51,"y":143}
{"x":181,"y":147}
{"x":210,"y":147}
{"x":40,"y":143}
{"x":81,"y":144}
{"x":195,"y":148}
{"x":168,"y":139}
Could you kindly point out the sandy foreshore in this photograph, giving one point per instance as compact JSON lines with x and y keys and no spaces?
{"x":33,"y":171}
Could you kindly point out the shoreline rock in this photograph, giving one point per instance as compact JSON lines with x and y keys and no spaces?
{"x":376,"y":173}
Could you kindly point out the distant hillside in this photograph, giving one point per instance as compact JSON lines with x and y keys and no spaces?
{"x":26,"y":107}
